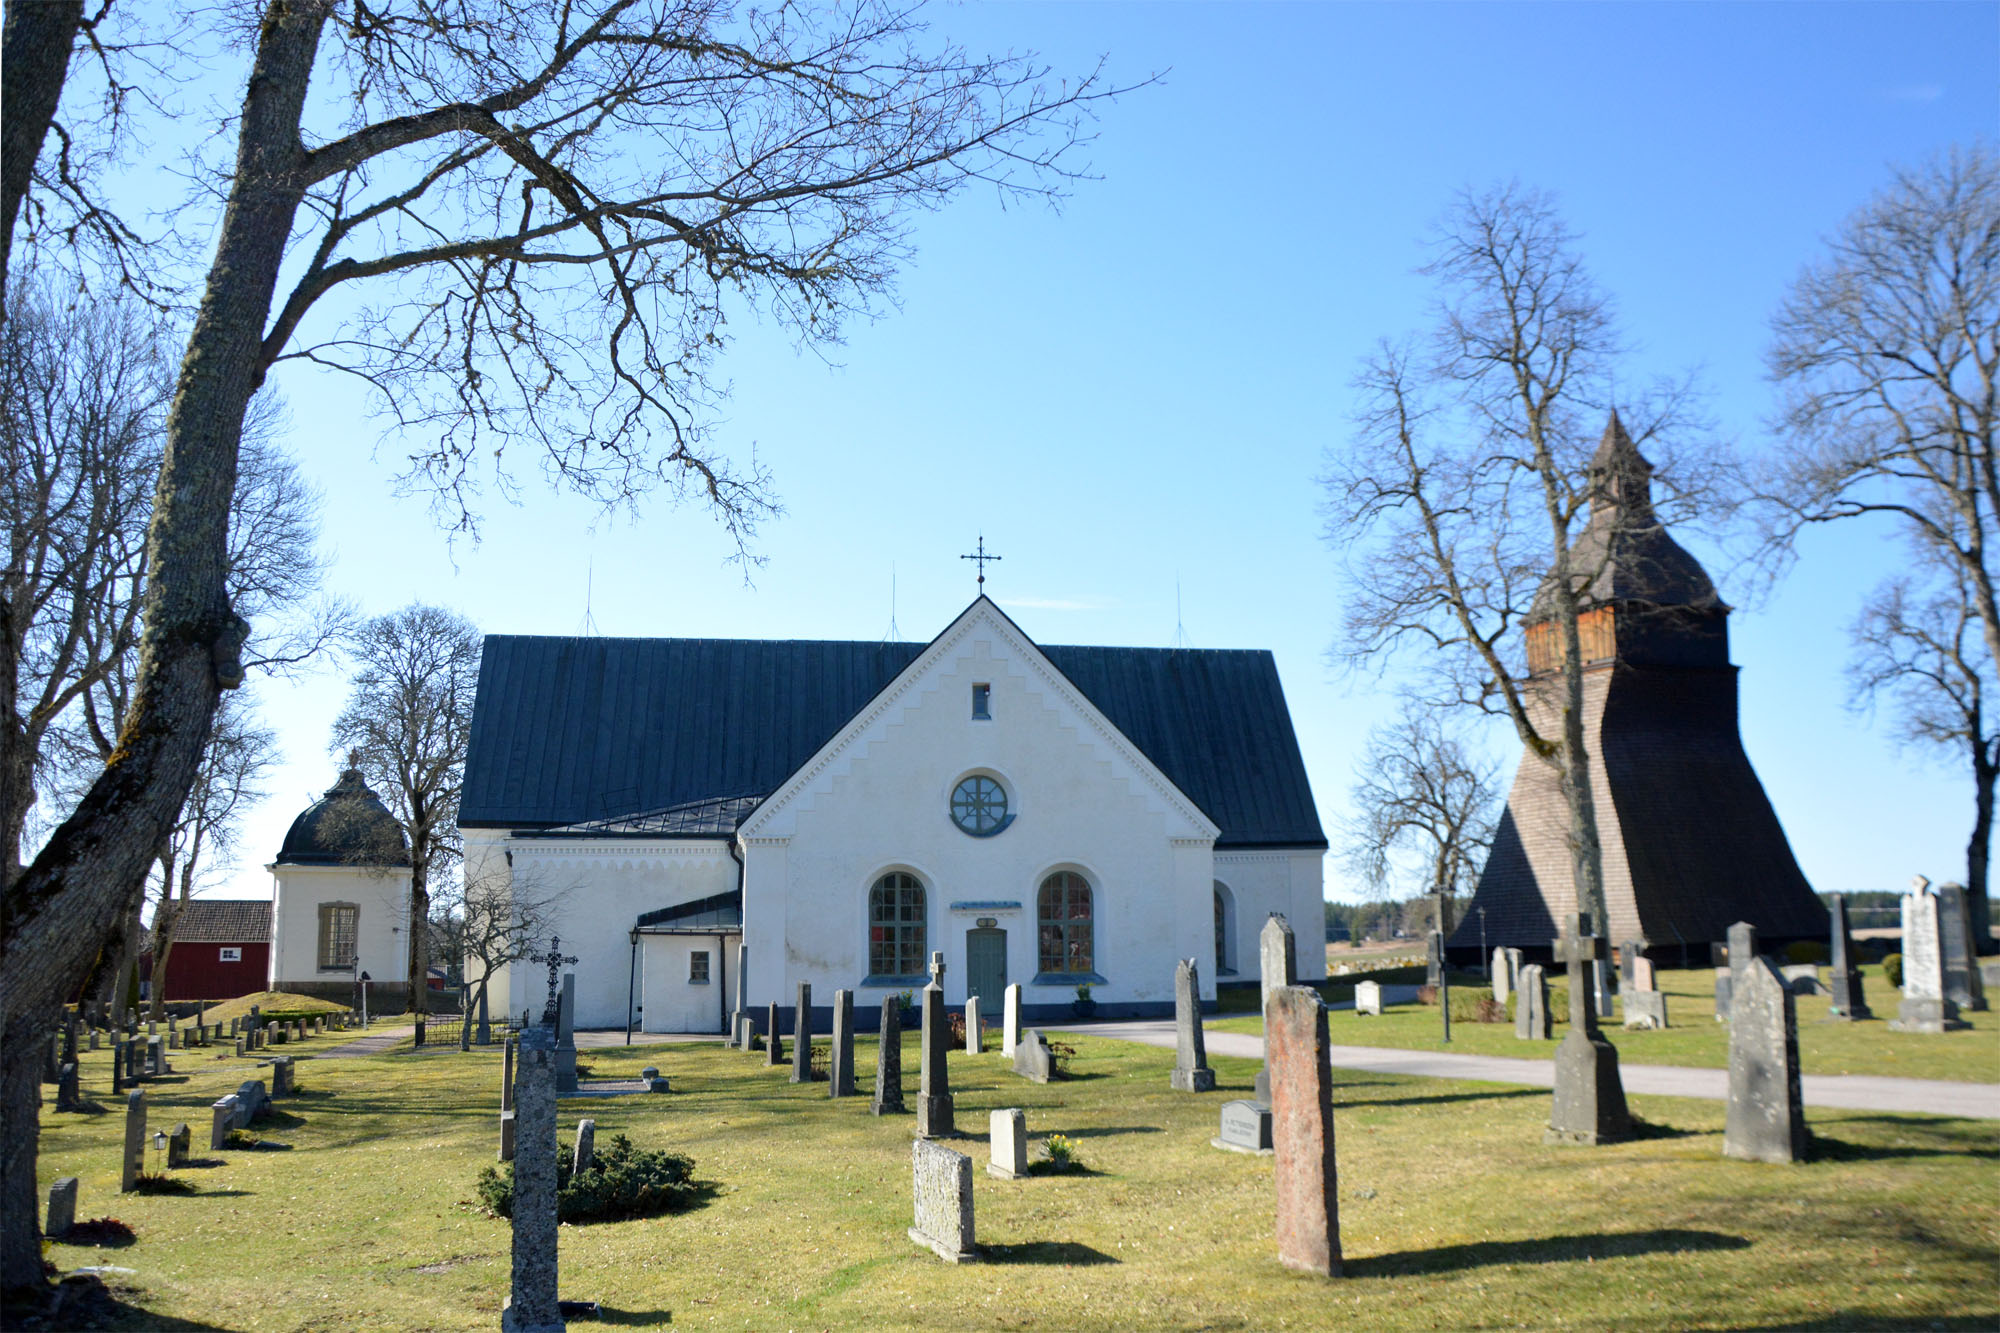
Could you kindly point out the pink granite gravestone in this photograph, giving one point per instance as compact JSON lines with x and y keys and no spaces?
{"x":1295,"y":1047}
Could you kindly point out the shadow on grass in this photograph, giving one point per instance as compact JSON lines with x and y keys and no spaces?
{"x":1543,"y":1250}
{"x":607,"y":1314}
{"x":1824,"y":1149}
{"x":1107,"y":1130}
{"x":1846,"y":1320}
{"x":1646,"y":1129}
{"x":1443,"y":1097}
{"x":82,"y":1300}
{"x":275,"y":1119}
{"x":1067,"y":1253}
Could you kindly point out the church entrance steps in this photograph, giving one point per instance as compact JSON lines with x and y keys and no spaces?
{"x":1847,"y":1092}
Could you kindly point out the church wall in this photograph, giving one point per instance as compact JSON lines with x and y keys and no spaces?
{"x":598,"y":888}
{"x":882,"y":804}
{"x":1282,"y":880}
{"x":486,"y":861}
{"x":381,"y":926}
{"x":674,"y":1001}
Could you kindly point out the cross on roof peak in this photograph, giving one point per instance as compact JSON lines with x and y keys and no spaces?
{"x":981,"y":559}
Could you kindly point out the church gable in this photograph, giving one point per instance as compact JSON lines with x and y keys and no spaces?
{"x":983,"y":663}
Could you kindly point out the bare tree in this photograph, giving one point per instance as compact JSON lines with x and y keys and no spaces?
{"x":504,"y":918}
{"x":1458,"y":496}
{"x":241,"y":753}
{"x":555,"y":206}
{"x":406,"y":724}
{"x":1888,"y":354}
{"x":1425,"y":808}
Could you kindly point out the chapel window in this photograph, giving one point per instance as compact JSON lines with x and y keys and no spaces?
{"x":896,"y":926}
{"x":698,"y":968}
{"x":337,"y":925}
{"x":1063,"y":911}
{"x":982,"y":703}
{"x":979,"y":806}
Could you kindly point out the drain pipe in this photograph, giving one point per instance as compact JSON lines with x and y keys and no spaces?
{"x":631,"y":985}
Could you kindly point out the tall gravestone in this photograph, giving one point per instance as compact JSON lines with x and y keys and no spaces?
{"x":1278,"y":967}
{"x":1766,"y":1117}
{"x":1434,"y":959}
{"x":69,"y":1096}
{"x":888,"y":1099}
{"x":1502,"y":977}
{"x":484,"y":1034}
{"x":1295,"y":1043}
{"x":1848,"y":1001}
{"x":62,"y":1207}
{"x":739,"y":1018}
{"x":1589,"y":1102}
{"x":840,"y":1059}
{"x":585,"y":1151}
{"x":1963,"y":985}
{"x":134,"y":1163}
{"x":1531,"y":1004}
{"x":975,"y":1027}
{"x":1629,"y":954}
{"x":1191,"y":1071}
{"x":532,"y":1306}
{"x":1010,"y":1019}
{"x":802,"y":1035}
{"x":1925,"y":1007}
{"x":774,"y":1045}
{"x":1007,"y":1137}
{"x":934,"y":1105}
{"x":941,"y":1185}
{"x":1722,"y":987}
{"x":566,"y":1036}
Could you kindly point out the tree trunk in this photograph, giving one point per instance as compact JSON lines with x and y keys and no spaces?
{"x":420,"y":963}
{"x":1979,"y":851}
{"x":35,"y":48}
{"x":55,"y":917}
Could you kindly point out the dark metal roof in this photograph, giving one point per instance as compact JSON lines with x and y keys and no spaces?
{"x":715,"y":817}
{"x":349,"y":825}
{"x":724,"y":910}
{"x":570,"y":731}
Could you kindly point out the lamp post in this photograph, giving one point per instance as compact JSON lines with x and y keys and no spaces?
{"x":1485,"y":958}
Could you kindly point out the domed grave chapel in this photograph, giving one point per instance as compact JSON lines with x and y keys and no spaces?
{"x":1053,"y":817}
{"x":1690,"y":841}
{"x":342,"y":900}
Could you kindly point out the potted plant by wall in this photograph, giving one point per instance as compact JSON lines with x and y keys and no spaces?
{"x":1085,"y":1006}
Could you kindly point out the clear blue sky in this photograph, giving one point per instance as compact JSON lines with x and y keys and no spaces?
{"x":1138,"y":390}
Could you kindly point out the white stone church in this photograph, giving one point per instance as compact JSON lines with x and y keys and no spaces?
{"x":1053,"y":816}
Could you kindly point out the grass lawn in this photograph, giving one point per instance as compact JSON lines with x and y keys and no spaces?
{"x":1454,"y":1214}
{"x":1826,"y":1045}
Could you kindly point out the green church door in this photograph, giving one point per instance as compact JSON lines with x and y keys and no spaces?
{"x":986,"y":969}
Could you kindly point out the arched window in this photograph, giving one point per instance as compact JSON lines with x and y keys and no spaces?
{"x":1063,"y":910}
{"x":896,"y":926}
{"x":1225,"y":930}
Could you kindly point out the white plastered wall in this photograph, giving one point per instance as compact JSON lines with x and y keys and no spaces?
{"x":674,"y":1001}
{"x":381,"y":924}
{"x":1287,"y":880}
{"x":877,"y":799}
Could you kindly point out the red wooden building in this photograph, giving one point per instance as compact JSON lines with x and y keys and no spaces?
{"x":222,"y":949}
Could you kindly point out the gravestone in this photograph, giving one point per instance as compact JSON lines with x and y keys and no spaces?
{"x":134,"y":1162}
{"x":1643,"y":977}
{"x":532,"y":1307}
{"x":941,"y":1183}
{"x":1645,"y":1009}
{"x":254,"y":1099}
{"x":1010,"y":1019}
{"x":1295,"y":1043}
{"x":975,"y":1027}
{"x":69,"y":1096}
{"x":1191,"y":1071}
{"x":1278,"y":967}
{"x":506,"y":1153}
{"x":156,"y":1057}
{"x":1766,"y":1117}
{"x":1629,"y":954}
{"x":225,"y":1115}
{"x":739,"y":1017}
{"x":934,"y":1104}
{"x":1963,"y":985}
{"x":96,"y":1040}
{"x":1434,"y":962}
{"x":1368,"y":998}
{"x":1532,"y":1021}
{"x":507,"y":1054}
{"x":484,"y":1033}
{"x":774,"y":1045}
{"x":840,"y":1062}
{"x":118,"y":1079}
{"x":565,"y":1056}
{"x":1589,"y":1102}
{"x":1802,"y":978}
{"x":1032,"y":1058}
{"x":802,"y":1040}
{"x":586,"y":1145}
{"x":1246,"y":1127}
{"x":1925,"y":1006}
{"x":135,"y":1059}
{"x":1722,"y":983}
{"x":1007,"y":1133}
{"x":1845,"y":979}
{"x":888,"y":1099}
{"x":177,"y":1145}
{"x":62,"y":1207}
{"x":281,"y":1076}
{"x":650,"y":1076}
{"x":1501,"y":976}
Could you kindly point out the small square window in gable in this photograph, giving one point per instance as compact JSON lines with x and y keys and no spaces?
{"x":982,"y":703}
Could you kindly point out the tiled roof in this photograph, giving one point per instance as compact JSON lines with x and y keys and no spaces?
{"x":224,"y":921}
{"x":614,"y":732}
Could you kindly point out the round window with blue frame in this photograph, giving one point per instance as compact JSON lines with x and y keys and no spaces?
{"x":979,"y":806}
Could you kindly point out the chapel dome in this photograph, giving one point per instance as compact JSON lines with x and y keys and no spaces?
{"x":349,"y":825}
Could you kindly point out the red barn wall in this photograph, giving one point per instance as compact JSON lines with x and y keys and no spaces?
{"x":197,"y":972}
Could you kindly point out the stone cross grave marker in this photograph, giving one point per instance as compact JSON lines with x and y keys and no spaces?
{"x":62,"y":1207}
{"x":531,"y":1305}
{"x":975,"y":1027}
{"x":888,"y":1098}
{"x":1925,"y":1006}
{"x":941,"y":1183}
{"x":1007,"y":1133}
{"x":1848,"y":1004}
{"x":802,"y":1040}
{"x":1589,"y":1102}
{"x":840,"y":1060}
{"x":1010,"y":1019}
{"x":134,"y":1162}
{"x":1191,"y":1071}
{"x":774,"y":1045}
{"x":1368,"y":998}
{"x":934,"y":1103}
{"x":1032,"y":1058}
{"x":1766,"y":1117}
{"x":1302,"y":1131}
